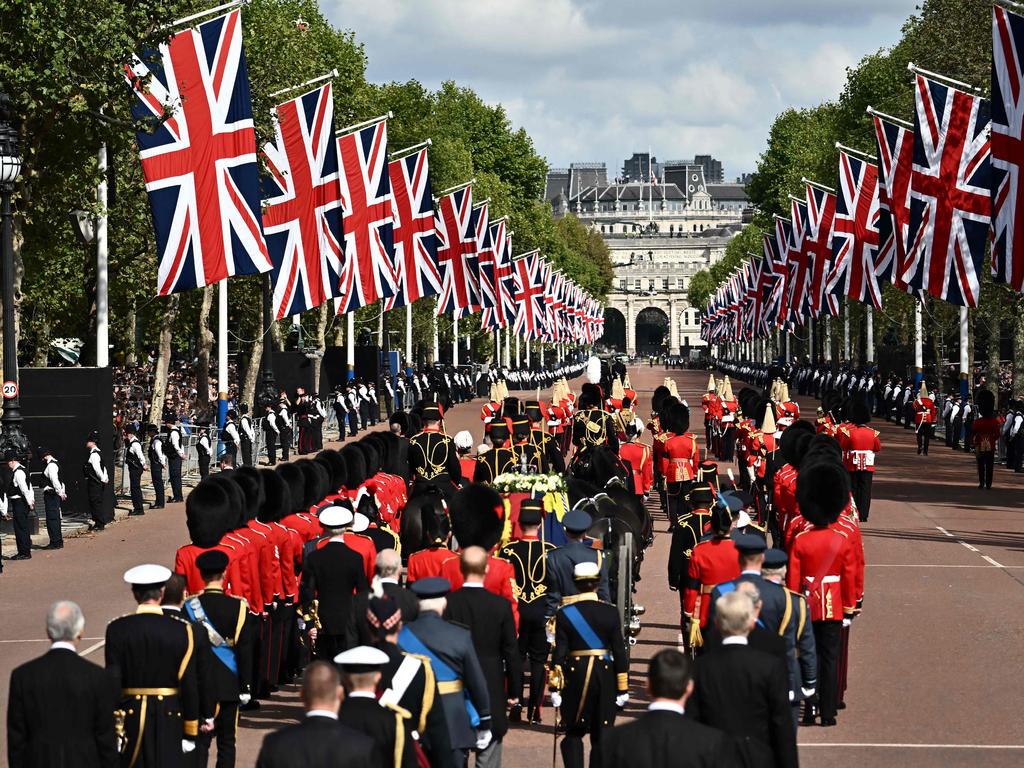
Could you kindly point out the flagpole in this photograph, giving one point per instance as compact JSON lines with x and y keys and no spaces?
{"x":436,"y":348}
{"x":852,"y":151}
{"x":455,"y":337}
{"x":964,"y":357}
{"x":898,"y":121}
{"x":942,"y":78}
{"x":364,"y":124}
{"x":846,"y":332}
{"x":870,"y":333}
{"x":810,"y":340}
{"x":497,"y":346}
{"x":408,"y":334}
{"x":350,"y":344}
{"x":918,"y":347}
{"x":329,"y":76}
{"x":222,"y":354}
{"x":456,"y":188}
{"x":822,"y":187}
{"x":399,"y":153}
{"x":527,"y":353}
{"x":828,"y":342}
{"x":508,"y":347}
{"x":202,"y":14}
{"x":517,"y":353}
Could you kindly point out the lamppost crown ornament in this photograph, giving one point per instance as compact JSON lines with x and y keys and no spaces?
{"x":10,"y":159}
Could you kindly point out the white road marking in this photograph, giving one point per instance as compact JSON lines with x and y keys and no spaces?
{"x":870,"y":745}
{"x":994,"y":564}
{"x":969,"y":546}
{"x":93,"y":647}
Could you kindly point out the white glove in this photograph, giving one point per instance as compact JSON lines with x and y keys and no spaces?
{"x":549,"y":637}
{"x":187,"y":745}
{"x":621,"y":699}
{"x":807,"y":692}
{"x":556,"y":699}
{"x":244,"y":698}
{"x":847,"y":622}
{"x":483,"y":739}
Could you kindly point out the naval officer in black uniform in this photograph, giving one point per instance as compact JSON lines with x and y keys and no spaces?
{"x":562,"y":562}
{"x":150,"y":657}
{"x":589,"y":668}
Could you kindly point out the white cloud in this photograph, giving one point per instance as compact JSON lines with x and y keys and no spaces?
{"x":600,"y":79}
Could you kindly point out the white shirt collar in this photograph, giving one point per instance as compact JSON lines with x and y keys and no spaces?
{"x":389,"y":581}
{"x":734,"y":640}
{"x":665,"y":706}
{"x":63,"y":646}
{"x":322,"y":713}
{"x":751,"y":572}
{"x":362,"y":695}
{"x":477,"y":584}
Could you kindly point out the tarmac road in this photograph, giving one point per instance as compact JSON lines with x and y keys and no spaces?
{"x":937,"y":663}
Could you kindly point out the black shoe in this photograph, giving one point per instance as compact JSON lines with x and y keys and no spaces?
{"x":251,"y":706}
{"x":810,"y":715}
{"x":841,"y":705}
{"x":20,"y":556}
{"x":515,"y":714}
{"x":827,"y":722}
{"x":51,"y":545}
{"x":156,"y":506}
{"x":99,"y":526}
{"x":133,"y":513}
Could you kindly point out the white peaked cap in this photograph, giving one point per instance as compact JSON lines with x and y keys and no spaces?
{"x":335,"y":517}
{"x":586,"y":570}
{"x":147,"y":574}
{"x":360,"y":522}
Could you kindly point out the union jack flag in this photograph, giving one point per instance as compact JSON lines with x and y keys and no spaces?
{"x":949,"y":193}
{"x":529,"y":295}
{"x":855,"y":234}
{"x":821,"y":209}
{"x":491,"y":271}
{"x":506,"y":275}
{"x":199,"y":161}
{"x":302,"y":204}
{"x":776,"y":260}
{"x":798,"y":258}
{"x":895,"y":167}
{"x":456,"y":245}
{"x":369,"y":272}
{"x":419,"y":273}
{"x":1007,"y":148}
{"x":484,"y":255}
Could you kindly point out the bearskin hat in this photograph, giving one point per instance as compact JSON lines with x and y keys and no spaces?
{"x":592,"y":392}
{"x":209,"y":513}
{"x":825,"y":447}
{"x":794,"y":440}
{"x":477,"y":515}
{"x":986,"y":400}
{"x":857,"y":411}
{"x":336,"y":468}
{"x":318,"y":482}
{"x":822,"y":491}
{"x":277,"y":499}
{"x":659,"y":397}
{"x":355,"y":460}
{"x":383,"y":446}
{"x":251,"y":483}
{"x":237,"y":497}
{"x":401,"y":418}
{"x":748,"y":400}
{"x":761,"y":406}
{"x":510,"y":407}
{"x":371,"y":455}
{"x":680,"y":416}
{"x":296,"y":482}
{"x":415,"y":425}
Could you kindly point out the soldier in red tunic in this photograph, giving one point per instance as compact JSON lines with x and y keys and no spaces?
{"x":985,"y":436}
{"x":714,"y":561}
{"x":712,"y":405}
{"x":680,"y":457}
{"x":860,"y":445}
{"x":823,"y":567}
{"x":640,"y":459}
{"x":925,"y":415}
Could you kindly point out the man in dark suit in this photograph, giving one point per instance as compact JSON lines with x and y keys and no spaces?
{"x":490,"y":622}
{"x":745,"y":692}
{"x":389,"y":568}
{"x":319,"y":741}
{"x":61,"y":707}
{"x":663,"y":736}
{"x":383,"y":722}
{"x":331,"y":575}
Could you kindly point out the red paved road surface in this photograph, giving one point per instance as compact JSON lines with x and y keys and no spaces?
{"x":937,"y":660}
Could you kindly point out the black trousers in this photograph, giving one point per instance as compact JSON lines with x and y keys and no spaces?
{"x":157,"y":472}
{"x":225,"y":727}
{"x":272,"y":448}
{"x":572,"y":746}
{"x":232,"y":449}
{"x":22,"y":525}
{"x":353,"y":422}
{"x":860,"y":484}
{"x":246,"y":452}
{"x":986,"y":461}
{"x":174,"y":473}
{"x":135,"y":483}
{"x":533,"y":649}
{"x":203,"y":460}
{"x":827,"y":636}
{"x":94,"y":492}
{"x":924,"y":437}
{"x":305,"y":439}
{"x":51,"y":502}
{"x":286,"y":443}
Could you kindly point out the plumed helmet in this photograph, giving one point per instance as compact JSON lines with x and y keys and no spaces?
{"x":594,"y":369}
{"x":477,"y":515}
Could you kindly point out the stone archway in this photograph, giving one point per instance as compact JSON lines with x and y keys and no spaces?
{"x":652,"y":331}
{"x":614,"y":336}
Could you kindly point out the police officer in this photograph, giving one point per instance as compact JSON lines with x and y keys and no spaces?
{"x":456,"y":667}
{"x":157,"y":462}
{"x":589,"y":669}
{"x":433,"y":458}
{"x":272,"y":433}
{"x":150,"y":658}
{"x":136,"y":461}
{"x":284,"y":423}
{"x":247,"y":434}
{"x":175,"y":454}
{"x":231,"y":629}
{"x":230,"y":436}
{"x":528,"y":555}
{"x":53,"y":494}
{"x":562,"y":562}
{"x":203,"y":450}
{"x":21,"y":502}
{"x":96,"y":482}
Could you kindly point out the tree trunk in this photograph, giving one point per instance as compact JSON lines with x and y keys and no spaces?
{"x":994,"y":343}
{"x":131,"y":356}
{"x":339,"y":331}
{"x":1018,"y":352}
{"x":203,"y":363}
{"x":163,"y":361}
{"x":323,"y":318}
{"x":252,"y":375}
{"x":43,"y":348}
{"x":277,"y":336}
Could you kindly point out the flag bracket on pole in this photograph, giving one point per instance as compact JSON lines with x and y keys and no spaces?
{"x":364,"y":124}
{"x":852,"y":151}
{"x":899,"y":121}
{"x":942,"y":78}
{"x":203,"y":14}
{"x":822,"y":187}
{"x":456,"y":188}
{"x":329,"y":76}
{"x":409,"y":150}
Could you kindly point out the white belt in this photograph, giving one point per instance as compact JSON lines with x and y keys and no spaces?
{"x":863,"y":459}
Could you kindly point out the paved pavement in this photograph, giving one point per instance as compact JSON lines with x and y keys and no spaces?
{"x":937,"y":666}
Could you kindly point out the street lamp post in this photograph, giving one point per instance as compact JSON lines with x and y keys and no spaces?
{"x":10,"y":169}
{"x":268,"y":386}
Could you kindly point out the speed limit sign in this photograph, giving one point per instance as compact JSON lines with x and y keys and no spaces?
{"x":10,"y":390}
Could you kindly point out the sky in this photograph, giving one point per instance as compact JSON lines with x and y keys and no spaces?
{"x":596,"y":80}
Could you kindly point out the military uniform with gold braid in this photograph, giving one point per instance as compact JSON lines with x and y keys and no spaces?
{"x":589,"y":668}
{"x":554,"y":461}
{"x":432,"y":455}
{"x":528,"y":556}
{"x":150,"y":658}
{"x":592,"y":427}
{"x":498,"y":460}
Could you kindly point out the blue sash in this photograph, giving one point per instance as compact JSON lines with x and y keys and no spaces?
{"x":224,"y":653}
{"x":583,"y":629}
{"x":408,"y":642}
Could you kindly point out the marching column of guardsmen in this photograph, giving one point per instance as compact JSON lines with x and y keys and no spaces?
{"x":295,"y":572}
